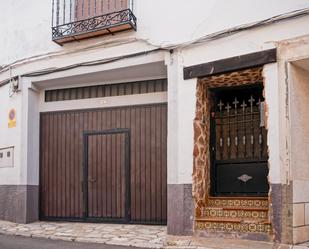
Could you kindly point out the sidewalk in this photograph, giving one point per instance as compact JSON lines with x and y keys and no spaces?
{"x":129,"y":235}
{"x":111,"y":234}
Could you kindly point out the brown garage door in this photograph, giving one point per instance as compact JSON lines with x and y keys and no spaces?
{"x":107,"y":169}
{"x":86,"y":173}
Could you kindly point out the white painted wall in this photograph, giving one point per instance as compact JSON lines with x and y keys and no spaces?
{"x":293,"y":71}
{"x":181,"y":112}
{"x":300,"y":123}
{"x":289,"y":51}
{"x":271,"y":94}
{"x":27,"y":23}
{"x":168,"y":29}
{"x":10,"y":137}
{"x":24,"y":137}
{"x":246,"y":42}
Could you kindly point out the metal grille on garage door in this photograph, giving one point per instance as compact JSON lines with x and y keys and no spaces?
{"x":105,"y":165}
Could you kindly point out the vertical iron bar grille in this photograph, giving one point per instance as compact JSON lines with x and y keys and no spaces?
{"x":239,"y":127}
{"x":72,"y":18}
{"x":238,"y":142}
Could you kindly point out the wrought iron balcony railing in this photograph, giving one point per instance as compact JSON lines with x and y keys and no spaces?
{"x":79,"y":19}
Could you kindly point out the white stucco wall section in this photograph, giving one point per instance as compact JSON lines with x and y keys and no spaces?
{"x":10,"y":137}
{"x":24,"y":137}
{"x":30,"y":146}
{"x":293,"y":61}
{"x":299,"y":129}
{"x":271,"y":92}
{"x":181,"y":112}
{"x":156,"y":19}
{"x":290,"y":51}
{"x":300,"y":123}
{"x":245,"y":42}
{"x":186,"y":107}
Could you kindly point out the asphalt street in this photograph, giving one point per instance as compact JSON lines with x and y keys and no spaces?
{"x":18,"y":242}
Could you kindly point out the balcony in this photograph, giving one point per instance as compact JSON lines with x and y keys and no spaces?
{"x":79,"y":19}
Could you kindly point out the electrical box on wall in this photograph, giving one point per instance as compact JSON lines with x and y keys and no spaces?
{"x":6,"y":157}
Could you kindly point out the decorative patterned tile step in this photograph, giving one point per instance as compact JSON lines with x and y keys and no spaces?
{"x":234,"y":220}
{"x":244,"y":208}
{"x":240,"y":202}
{"x":251,"y":213}
{"x":233,"y":225}
{"x":239,"y":197}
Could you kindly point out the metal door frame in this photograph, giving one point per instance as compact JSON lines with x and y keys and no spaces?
{"x":127,"y":217}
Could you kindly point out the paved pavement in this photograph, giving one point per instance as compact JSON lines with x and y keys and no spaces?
{"x":66,"y":235}
{"x":18,"y":242}
{"x":110,"y":234}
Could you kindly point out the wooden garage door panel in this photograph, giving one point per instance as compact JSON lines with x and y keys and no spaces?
{"x":61,"y":166}
{"x":62,"y":159}
{"x":148,"y":160}
{"x":107,"y":175}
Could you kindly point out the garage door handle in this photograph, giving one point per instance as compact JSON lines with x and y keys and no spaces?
{"x":92,"y":180}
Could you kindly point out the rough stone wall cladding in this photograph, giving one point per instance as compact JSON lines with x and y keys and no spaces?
{"x":8,"y":203}
{"x":201,"y":153}
{"x":180,"y":209}
{"x":201,"y":150}
{"x":19,"y":203}
{"x":286,"y":210}
{"x":282,"y":212}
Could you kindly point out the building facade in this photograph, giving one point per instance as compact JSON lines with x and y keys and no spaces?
{"x":157,"y":112}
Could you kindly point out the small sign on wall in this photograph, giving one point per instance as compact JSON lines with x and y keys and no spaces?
{"x":6,"y":157}
{"x":12,"y":118}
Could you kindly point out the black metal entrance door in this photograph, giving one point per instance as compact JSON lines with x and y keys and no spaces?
{"x":238,"y":143}
{"x":107,"y":175}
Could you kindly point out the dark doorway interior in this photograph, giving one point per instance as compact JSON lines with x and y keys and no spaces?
{"x":238,"y":142}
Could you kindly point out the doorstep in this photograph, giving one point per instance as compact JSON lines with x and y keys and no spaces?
{"x":112,"y":234}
